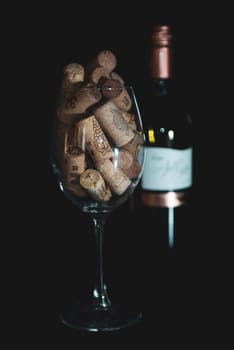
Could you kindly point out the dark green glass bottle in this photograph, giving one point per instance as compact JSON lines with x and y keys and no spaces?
{"x":167,"y":180}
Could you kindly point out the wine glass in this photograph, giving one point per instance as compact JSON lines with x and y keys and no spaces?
{"x":97,"y":155}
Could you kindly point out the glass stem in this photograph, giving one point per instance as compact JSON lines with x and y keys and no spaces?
{"x":100,"y":291}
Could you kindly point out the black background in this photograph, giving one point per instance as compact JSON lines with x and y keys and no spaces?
{"x":184,"y":295}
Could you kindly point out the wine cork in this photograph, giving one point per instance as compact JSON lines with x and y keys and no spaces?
{"x":92,"y":181}
{"x":135,"y":144}
{"x":123,"y":101}
{"x":116,"y":76}
{"x":111,"y":88}
{"x":107,"y":59}
{"x":73,"y":158}
{"x":60,"y":143}
{"x":98,"y":75}
{"x":113,"y":123}
{"x":64,"y":144}
{"x":82,"y":100}
{"x":75,"y":165}
{"x":72,"y":73}
{"x":130,"y":119}
{"x":67,"y":92}
{"x":73,"y":76}
{"x":133,"y":170}
{"x":91,"y":137}
{"x":114,"y":177}
{"x":104,"y":58}
{"x":72,"y":146}
{"x":124,"y":160}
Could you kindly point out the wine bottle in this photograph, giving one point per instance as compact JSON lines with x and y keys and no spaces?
{"x":167,"y":180}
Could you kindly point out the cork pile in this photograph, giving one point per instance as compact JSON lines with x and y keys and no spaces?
{"x":97,"y":133}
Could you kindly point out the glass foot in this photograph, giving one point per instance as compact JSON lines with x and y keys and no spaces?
{"x":91,"y":318}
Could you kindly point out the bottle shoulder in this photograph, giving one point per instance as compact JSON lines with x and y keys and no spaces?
{"x":167,"y":128}
{"x":165,"y":118}
{"x":165,"y":100}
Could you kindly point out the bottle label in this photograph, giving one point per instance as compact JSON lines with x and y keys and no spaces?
{"x":167,"y":169}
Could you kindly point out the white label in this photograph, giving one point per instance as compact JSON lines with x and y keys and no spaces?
{"x":167,"y":169}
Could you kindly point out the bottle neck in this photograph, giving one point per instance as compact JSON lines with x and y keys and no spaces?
{"x":161,"y":63}
{"x":161,"y":72}
{"x":160,"y":68}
